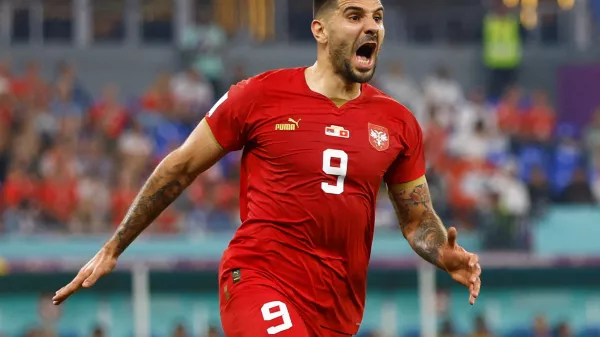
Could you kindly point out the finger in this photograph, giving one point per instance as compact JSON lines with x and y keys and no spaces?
{"x":452,"y":234}
{"x":471,"y":297}
{"x":72,"y":287}
{"x":476,"y":274}
{"x":473,"y":260}
{"x":477,"y":287}
{"x":91,"y":280}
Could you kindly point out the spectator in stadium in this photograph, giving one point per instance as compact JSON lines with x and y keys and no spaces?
{"x":70,"y":116}
{"x":512,"y":191}
{"x":6,"y":106}
{"x":471,"y":111}
{"x":31,"y":85}
{"x":4,"y":78}
{"x":435,"y":137}
{"x":49,"y":316}
{"x":94,"y":158}
{"x":447,"y":329}
{"x":540,"y":327}
{"x":480,"y":328}
{"x":592,"y":135}
{"x":98,"y":332}
{"x":539,"y":191}
{"x":510,"y":205}
{"x":203,"y":44}
{"x":108,"y":117}
{"x":180,"y":331}
{"x":567,"y":157}
{"x":213,"y":332}
{"x":539,"y":120}
{"x":563,"y":330}
{"x":135,"y":149}
{"x":578,"y":191}
{"x":66,"y":76}
{"x":445,"y":92}
{"x":17,"y":193}
{"x":192,"y":92}
{"x":93,"y":204}
{"x":509,"y":113}
{"x":501,"y":48}
{"x":404,"y":89}
{"x":479,"y":140}
{"x":58,"y":198}
{"x":158,"y":97}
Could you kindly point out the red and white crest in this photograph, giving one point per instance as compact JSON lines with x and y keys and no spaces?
{"x":379,"y":137}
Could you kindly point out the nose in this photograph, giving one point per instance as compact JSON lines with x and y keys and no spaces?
{"x":372,"y":27}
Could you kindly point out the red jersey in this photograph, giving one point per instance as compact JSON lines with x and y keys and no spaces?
{"x":310,"y":175}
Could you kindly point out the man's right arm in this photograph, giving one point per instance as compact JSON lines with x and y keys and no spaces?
{"x":225,"y":128}
{"x":170,"y":178}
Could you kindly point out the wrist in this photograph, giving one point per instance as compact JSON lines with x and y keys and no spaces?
{"x":111,"y":248}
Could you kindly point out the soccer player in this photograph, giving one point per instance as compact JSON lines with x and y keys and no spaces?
{"x":317,"y":143}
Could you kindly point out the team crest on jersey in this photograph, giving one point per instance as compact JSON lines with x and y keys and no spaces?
{"x":379,"y":137}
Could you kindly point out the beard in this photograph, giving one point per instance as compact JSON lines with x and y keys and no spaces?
{"x":340,"y":56}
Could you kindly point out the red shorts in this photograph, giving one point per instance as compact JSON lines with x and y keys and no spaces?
{"x":252,"y":307}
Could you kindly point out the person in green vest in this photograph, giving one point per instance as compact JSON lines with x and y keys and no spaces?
{"x":502,"y":49}
{"x":202,"y":46}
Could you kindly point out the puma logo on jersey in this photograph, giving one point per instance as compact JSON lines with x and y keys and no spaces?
{"x":337,"y":131}
{"x":293,"y":121}
{"x":293,"y":125}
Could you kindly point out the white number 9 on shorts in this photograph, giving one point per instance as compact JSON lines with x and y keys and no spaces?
{"x":281,"y":311}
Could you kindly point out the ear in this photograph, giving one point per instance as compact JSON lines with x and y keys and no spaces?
{"x":318,"y":29}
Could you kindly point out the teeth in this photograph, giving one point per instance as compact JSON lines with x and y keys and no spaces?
{"x":363,"y":60}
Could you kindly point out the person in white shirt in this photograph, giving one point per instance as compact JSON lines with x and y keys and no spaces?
{"x":444,"y":92}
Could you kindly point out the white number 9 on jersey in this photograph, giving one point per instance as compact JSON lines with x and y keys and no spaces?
{"x":281,"y":311}
{"x":340,"y":171}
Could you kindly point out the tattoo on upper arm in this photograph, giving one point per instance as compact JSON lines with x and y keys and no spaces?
{"x":405,"y":201}
{"x":417,"y":217}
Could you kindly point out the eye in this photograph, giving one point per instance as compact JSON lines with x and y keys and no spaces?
{"x":354,"y":18}
{"x":378,"y":18}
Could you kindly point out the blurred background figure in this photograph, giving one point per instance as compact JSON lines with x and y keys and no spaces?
{"x":93,"y":94}
{"x":502,"y":46}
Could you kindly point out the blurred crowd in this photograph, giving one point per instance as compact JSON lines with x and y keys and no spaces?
{"x":496,"y":165}
{"x":72,"y":162}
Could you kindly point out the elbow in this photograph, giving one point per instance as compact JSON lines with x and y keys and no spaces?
{"x":177,"y":164}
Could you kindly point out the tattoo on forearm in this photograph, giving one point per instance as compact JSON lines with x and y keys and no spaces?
{"x":429,"y":237}
{"x":417,"y":217}
{"x":156,"y":195}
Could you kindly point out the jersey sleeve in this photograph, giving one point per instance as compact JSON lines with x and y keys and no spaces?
{"x":228,"y":118}
{"x":410,"y":164}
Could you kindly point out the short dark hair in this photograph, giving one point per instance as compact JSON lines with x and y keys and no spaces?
{"x":320,"y":6}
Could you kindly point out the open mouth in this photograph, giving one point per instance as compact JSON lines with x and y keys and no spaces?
{"x":364,"y":53}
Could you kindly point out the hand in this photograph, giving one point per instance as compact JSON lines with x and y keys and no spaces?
{"x":462,"y":266}
{"x":101,"y":264}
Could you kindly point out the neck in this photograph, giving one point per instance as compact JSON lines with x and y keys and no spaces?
{"x":321,"y":78}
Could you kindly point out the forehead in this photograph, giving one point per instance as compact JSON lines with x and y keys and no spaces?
{"x":368,"y":5}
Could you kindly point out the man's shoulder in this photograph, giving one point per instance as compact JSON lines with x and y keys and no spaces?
{"x":271,"y":78}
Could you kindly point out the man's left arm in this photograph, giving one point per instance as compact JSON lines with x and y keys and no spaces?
{"x":428,"y":237}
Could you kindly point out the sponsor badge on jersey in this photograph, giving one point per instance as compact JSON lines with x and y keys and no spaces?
{"x":337,"y":131}
{"x":379,"y":137}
